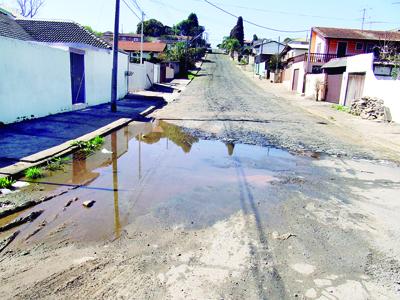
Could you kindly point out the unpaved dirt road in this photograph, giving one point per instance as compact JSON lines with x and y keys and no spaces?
{"x":322,"y":223}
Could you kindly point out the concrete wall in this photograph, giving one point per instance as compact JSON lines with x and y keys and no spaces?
{"x":142,"y":78}
{"x":311,"y":86}
{"x":34,"y":80}
{"x":384,"y":88}
{"x":98,"y":67}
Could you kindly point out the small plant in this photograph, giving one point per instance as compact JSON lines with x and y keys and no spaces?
{"x":89,"y":147}
{"x":34,"y":173}
{"x":6,"y":183}
{"x":57,"y":163}
{"x":339,"y":107}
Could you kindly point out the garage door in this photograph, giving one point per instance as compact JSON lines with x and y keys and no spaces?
{"x":334,"y":84}
{"x":355,"y":88}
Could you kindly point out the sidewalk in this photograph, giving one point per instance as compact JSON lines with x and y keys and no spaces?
{"x":31,"y":141}
{"x":385,"y":135}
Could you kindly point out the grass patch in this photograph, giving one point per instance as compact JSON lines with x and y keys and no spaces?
{"x":339,"y":107}
{"x":56,"y":164}
{"x":34,"y":173}
{"x":89,"y":147}
{"x":6,"y":183}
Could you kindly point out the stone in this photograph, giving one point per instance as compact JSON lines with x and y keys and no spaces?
{"x":88,"y":204}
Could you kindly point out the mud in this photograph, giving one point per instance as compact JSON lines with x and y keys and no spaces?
{"x":178,"y":216}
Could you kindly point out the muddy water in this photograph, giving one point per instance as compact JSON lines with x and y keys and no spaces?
{"x":153,"y":176}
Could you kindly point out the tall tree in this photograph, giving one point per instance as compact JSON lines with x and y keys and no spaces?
{"x":255,"y":37}
{"x":151,"y":27}
{"x":29,"y":8}
{"x":190,"y":26}
{"x":238,"y":31}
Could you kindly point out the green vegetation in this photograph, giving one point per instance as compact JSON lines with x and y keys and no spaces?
{"x":34,"y":173}
{"x":339,"y":107}
{"x":231,"y":45}
{"x":6,"y":183}
{"x":238,"y":31}
{"x":57,"y":163}
{"x":88,"y":147}
{"x":91,"y":30}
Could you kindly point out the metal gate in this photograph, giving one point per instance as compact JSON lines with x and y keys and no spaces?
{"x":295,"y":79}
{"x":355,"y":88}
{"x":334,"y":84}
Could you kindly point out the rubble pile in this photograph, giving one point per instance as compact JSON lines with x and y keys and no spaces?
{"x":368,"y":108}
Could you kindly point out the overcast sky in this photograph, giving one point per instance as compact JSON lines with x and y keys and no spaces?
{"x":283,"y":15}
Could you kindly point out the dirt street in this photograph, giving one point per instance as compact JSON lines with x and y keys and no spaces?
{"x":233,"y":193}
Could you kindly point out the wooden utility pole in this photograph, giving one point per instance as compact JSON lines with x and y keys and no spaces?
{"x":114,"y":76}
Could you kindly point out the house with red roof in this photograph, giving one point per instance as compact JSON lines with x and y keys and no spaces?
{"x":150,"y":49}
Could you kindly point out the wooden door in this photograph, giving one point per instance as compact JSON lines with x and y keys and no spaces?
{"x":295,"y":79}
{"x":355,"y":88}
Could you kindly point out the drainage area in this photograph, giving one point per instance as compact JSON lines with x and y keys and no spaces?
{"x":154,"y":175}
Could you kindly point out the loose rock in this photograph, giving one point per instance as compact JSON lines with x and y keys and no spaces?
{"x":88,"y":203}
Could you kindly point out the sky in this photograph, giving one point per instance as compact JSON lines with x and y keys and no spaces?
{"x":283,"y":15}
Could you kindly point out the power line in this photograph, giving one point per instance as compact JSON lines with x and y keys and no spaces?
{"x":252,"y":23}
{"x":130,"y":8}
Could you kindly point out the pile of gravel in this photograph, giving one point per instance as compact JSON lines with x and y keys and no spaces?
{"x":368,"y":108}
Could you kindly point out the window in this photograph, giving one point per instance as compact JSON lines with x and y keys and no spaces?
{"x":359,"y":46}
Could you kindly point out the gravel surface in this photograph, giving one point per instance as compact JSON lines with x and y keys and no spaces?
{"x":223,"y":103}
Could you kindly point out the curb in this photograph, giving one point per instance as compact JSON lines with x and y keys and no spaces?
{"x":42,"y":157}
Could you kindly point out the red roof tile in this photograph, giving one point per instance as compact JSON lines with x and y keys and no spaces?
{"x":147,"y":47}
{"x":358,"y":34}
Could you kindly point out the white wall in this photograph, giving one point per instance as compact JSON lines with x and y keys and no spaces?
{"x":322,"y":41}
{"x":383,"y":88}
{"x":140,"y":79}
{"x":311,"y":82}
{"x":98,"y":68}
{"x":35,"y":80}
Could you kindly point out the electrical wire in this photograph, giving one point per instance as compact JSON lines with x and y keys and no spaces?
{"x":130,"y":8}
{"x":252,"y":23}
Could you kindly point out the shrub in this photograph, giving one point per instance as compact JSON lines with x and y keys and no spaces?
{"x":56,"y":164}
{"x":6,"y":183}
{"x":34,"y":173}
{"x":89,"y":147}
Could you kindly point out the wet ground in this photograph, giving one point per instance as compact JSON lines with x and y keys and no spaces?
{"x":183,"y":218}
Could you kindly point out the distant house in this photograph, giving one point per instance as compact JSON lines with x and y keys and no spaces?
{"x":48,"y":67}
{"x":330,"y":43}
{"x":108,"y":36}
{"x":149,"y":49}
{"x":263,"y":50}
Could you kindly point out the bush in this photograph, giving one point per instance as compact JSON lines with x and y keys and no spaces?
{"x":34,"y":173}
{"x":6,"y":183}
{"x":89,"y":147}
{"x":57,"y":163}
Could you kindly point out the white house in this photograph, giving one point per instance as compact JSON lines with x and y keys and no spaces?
{"x":263,"y":51}
{"x":47,"y":67}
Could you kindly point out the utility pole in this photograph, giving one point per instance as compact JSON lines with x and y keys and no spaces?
{"x":114,"y":76}
{"x":277,"y":55}
{"x":141,"y":40}
{"x":363,"y":18}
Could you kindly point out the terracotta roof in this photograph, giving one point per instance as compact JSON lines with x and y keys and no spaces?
{"x":147,"y":47}
{"x":357,"y":34}
{"x":60,"y":32}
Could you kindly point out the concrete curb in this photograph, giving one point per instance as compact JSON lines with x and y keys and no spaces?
{"x":42,"y":157}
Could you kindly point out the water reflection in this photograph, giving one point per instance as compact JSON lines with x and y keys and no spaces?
{"x":115,"y":183}
{"x":173,"y":133}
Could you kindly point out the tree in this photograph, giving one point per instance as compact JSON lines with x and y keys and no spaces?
{"x":29,"y":8}
{"x":91,"y":30}
{"x":231,"y":45}
{"x":190,"y":26}
{"x":255,"y":37}
{"x":151,"y":27}
{"x":238,"y":31}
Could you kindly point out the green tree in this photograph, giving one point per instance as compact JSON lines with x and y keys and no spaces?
{"x":91,"y":30}
{"x":255,"y":37}
{"x":238,"y":31}
{"x":231,"y":45}
{"x":151,"y":27}
{"x":190,"y":26}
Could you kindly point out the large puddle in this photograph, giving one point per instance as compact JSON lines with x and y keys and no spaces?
{"x":153,"y":175}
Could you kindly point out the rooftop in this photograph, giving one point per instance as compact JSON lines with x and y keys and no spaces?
{"x":147,"y":47}
{"x":11,"y":29}
{"x":357,"y":34}
{"x":49,"y":31}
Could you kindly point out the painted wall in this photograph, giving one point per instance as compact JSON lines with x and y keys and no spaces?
{"x":98,"y":68}
{"x":34,"y":80}
{"x":383,"y":88}
{"x":311,"y":82}
{"x":351,"y":46}
{"x":142,"y":78}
